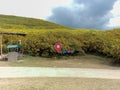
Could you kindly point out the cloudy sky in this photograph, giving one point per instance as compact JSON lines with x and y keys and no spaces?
{"x":93,"y":14}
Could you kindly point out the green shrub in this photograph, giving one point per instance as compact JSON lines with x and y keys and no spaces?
{"x":41,"y":42}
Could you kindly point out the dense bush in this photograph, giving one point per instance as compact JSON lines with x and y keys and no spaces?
{"x":41,"y":42}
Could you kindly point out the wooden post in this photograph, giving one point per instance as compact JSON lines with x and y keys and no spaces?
{"x":1,"y":45}
{"x":20,"y":42}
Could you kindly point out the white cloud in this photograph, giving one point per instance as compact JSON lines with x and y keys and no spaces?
{"x":116,"y":9}
{"x":115,"y":20}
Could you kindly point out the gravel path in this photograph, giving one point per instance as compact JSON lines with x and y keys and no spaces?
{"x":18,"y":72}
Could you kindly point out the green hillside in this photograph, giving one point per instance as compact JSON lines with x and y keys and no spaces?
{"x":15,"y":22}
{"x":42,"y":36}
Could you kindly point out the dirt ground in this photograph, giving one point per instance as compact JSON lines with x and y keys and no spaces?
{"x":67,"y":83}
{"x":59,"y":84}
{"x":87,"y":61}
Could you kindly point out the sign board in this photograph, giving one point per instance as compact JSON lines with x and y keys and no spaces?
{"x":58,"y":47}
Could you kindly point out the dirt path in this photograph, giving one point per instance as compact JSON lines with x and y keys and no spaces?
{"x":18,"y":72}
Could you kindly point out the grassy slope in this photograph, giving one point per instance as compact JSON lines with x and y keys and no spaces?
{"x":15,"y":22}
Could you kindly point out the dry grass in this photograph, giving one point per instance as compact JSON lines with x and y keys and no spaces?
{"x":4,"y":63}
{"x":88,"y":61}
{"x":59,"y":84}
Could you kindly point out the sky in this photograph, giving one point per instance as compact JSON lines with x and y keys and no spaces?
{"x":92,"y":14}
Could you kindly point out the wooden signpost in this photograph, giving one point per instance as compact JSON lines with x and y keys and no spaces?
{"x":1,"y":45}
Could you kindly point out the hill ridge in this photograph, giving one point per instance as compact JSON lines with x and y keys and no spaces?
{"x":11,"y":21}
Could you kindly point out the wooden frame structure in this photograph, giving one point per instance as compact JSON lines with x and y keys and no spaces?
{"x":8,"y":33}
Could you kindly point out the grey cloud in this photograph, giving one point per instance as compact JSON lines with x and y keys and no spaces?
{"x":84,"y":14}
